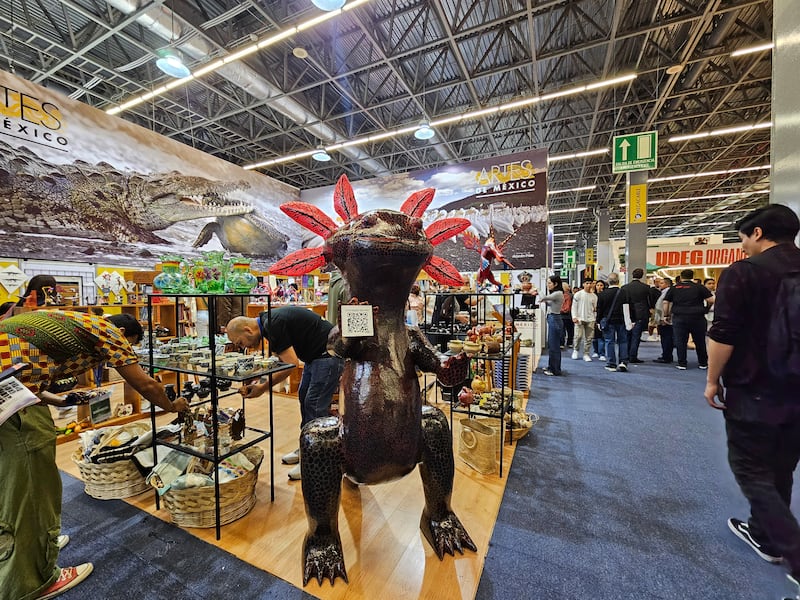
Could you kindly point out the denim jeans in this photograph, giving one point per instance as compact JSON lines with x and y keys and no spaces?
{"x":555,"y":327}
{"x":616,"y":332}
{"x":696,"y":326}
{"x":635,"y":336}
{"x":599,"y":342}
{"x":667,"y":341}
{"x":320,"y":380}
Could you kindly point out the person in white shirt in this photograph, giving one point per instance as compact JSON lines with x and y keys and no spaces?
{"x":584,"y":310}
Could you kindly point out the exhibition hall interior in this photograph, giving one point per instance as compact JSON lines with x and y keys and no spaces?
{"x":411,"y":174}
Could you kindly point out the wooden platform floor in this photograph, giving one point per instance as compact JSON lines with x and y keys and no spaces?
{"x":385,"y":552}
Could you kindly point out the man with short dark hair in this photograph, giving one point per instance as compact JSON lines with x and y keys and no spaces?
{"x":664,"y":324}
{"x":762,"y":411}
{"x":613,"y":304}
{"x":685,"y":304}
{"x":639,"y":298}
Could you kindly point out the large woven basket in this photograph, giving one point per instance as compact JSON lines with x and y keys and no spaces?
{"x":195,"y":507}
{"x":477,"y":445}
{"x":110,"y":481}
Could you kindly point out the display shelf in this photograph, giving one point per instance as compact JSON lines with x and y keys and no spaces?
{"x":214,"y":375}
{"x":501,"y":305}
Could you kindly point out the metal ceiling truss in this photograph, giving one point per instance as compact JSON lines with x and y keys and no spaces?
{"x":394,"y":63}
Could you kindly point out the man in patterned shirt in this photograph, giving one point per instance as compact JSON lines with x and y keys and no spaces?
{"x":54,"y":344}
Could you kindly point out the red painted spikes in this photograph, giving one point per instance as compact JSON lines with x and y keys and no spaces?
{"x":471,"y":241}
{"x":310,"y":217}
{"x":442,"y":271}
{"x":416,"y":204}
{"x":443,"y":229}
{"x":344,"y":201}
{"x":299,"y":262}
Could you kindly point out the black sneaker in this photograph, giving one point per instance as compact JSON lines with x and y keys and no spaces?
{"x":662,"y":360}
{"x":702,"y":367}
{"x":622,"y":367}
{"x":742,"y":530}
{"x":635,"y":360}
{"x":681,"y":367}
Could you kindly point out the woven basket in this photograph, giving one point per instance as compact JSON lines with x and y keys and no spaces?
{"x":477,"y":445}
{"x":195,"y":507}
{"x":110,"y":481}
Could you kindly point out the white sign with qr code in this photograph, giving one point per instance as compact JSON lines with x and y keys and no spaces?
{"x":13,"y":397}
{"x":357,"y":320}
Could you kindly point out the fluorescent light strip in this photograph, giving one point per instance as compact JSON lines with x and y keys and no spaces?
{"x":558,"y":157}
{"x":715,"y":132}
{"x":563,"y":234}
{"x":709,"y":173}
{"x":456,"y":118}
{"x":584,"y":188}
{"x":566,"y":224}
{"x":236,"y":56}
{"x":709,"y":197}
{"x":752,"y":49}
{"x":566,"y":210}
{"x":699,"y":214}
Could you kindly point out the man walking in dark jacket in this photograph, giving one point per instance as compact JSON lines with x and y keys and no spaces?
{"x":639,"y":298}
{"x":762,"y":409}
{"x":617,"y":324}
{"x":685,"y":304}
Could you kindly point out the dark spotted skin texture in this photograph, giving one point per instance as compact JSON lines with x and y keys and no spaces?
{"x":385,"y":431}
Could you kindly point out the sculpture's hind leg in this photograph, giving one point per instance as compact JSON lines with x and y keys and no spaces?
{"x":439,"y":524}
{"x":321,"y":468}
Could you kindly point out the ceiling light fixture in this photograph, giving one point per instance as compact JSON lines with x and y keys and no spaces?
{"x":709,"y":173}
{"x":453,"y":118}
{"x":328,"y":5}
{"x":584,"y":188}
{"x":709,"y":197}
{"x":715,"y":132}
{"x":567,"y":210}
{"x":269,"y":40}
{"x":170,"y":63}
{"x":751,"y":49}
{"x":321,"y":155}
{"x":424,"y":131}
{"x":558,"y":157}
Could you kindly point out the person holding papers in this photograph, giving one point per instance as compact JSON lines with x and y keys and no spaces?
{"x":52,"y":344}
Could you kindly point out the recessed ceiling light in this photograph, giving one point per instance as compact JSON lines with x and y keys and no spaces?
{"x":321,"y":155}
{"x":300,"y":52}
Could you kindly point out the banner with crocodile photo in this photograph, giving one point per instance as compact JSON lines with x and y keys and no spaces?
{"x":506,"y":195}
{"x":77,"y":184}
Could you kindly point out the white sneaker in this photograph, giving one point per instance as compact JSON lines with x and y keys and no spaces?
{"x":602,"y":358}
{"x":63,"y":540}
{"x":574,"y":355}
{"x":586,"y":358}
{"x":292,"y":458}
{"x":294,"y":474}
{"x":595,"y":355}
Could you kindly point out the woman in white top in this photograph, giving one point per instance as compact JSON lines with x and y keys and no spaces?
{"x":555,"y":324}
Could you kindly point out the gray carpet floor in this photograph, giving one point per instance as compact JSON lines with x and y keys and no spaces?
{"x":622,"y":490}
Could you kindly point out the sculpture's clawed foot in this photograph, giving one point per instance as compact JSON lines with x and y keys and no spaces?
{"x":323,"y":557}
{"x":446,"y":535}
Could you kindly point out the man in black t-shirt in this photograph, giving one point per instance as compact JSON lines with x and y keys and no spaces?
{"x":294,"y":334}
{"x":685,"y":306}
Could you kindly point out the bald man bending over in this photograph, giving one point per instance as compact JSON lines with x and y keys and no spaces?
{"x":294,"y":334}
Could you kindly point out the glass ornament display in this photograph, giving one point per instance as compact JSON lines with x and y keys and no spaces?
{"x":240,"y":280}
{"x":171,"y":280}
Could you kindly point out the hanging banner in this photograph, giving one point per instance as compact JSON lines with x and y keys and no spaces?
{"x":104,"y":187}
{"x":507,"y":194}
{"x":718,"y":255}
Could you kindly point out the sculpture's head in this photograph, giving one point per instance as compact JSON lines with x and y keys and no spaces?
{"x":379,"y":245}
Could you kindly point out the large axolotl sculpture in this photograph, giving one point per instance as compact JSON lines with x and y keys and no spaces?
{"x":385,"y":430}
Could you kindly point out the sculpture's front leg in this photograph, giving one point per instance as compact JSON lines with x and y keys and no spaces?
{"x":449,"y":372}
{"x":321,"y":465}
{"x":439,"y":524}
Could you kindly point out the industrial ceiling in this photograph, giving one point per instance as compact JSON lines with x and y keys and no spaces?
{"x":384,"y":65}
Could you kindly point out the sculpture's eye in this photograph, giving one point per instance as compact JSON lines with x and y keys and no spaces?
{"x":370,"y":220}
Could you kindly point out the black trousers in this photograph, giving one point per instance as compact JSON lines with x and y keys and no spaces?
{"x":763,"y":459}
{"x":667,"y":341}
{"x":696,"y":326}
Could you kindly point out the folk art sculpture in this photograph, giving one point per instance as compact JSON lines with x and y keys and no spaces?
{"x":385,"y":431}
{"x":489,"y":251}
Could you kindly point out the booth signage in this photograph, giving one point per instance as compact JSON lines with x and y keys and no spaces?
{"x":720,"y":255}
{"x":637,"y":203}
{"x":590,"y":257}
{"x":637,"y":152}
{"x":570,"y":258}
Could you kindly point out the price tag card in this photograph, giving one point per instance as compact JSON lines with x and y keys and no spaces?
{"x":356,"y":320}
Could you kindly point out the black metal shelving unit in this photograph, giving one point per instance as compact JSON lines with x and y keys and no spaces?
{"x":214,"y":375}
{"x":508,"y":351}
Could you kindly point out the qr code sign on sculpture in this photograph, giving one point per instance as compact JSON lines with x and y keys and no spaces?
{"x":357,"y":321}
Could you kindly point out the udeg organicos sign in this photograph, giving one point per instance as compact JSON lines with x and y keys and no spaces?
{"x":26,"y":117}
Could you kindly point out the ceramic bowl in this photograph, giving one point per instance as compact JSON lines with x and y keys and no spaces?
{"x":455,"y":345}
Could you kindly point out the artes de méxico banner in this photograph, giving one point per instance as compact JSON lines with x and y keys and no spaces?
{"x":506,"y":195}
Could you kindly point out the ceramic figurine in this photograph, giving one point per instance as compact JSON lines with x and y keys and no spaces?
{"x":385,"y":431}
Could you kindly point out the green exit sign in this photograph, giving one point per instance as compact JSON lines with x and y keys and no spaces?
{"x":637,"y":152}
{"x":564,"y":273}
{"x":570,"y":258}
